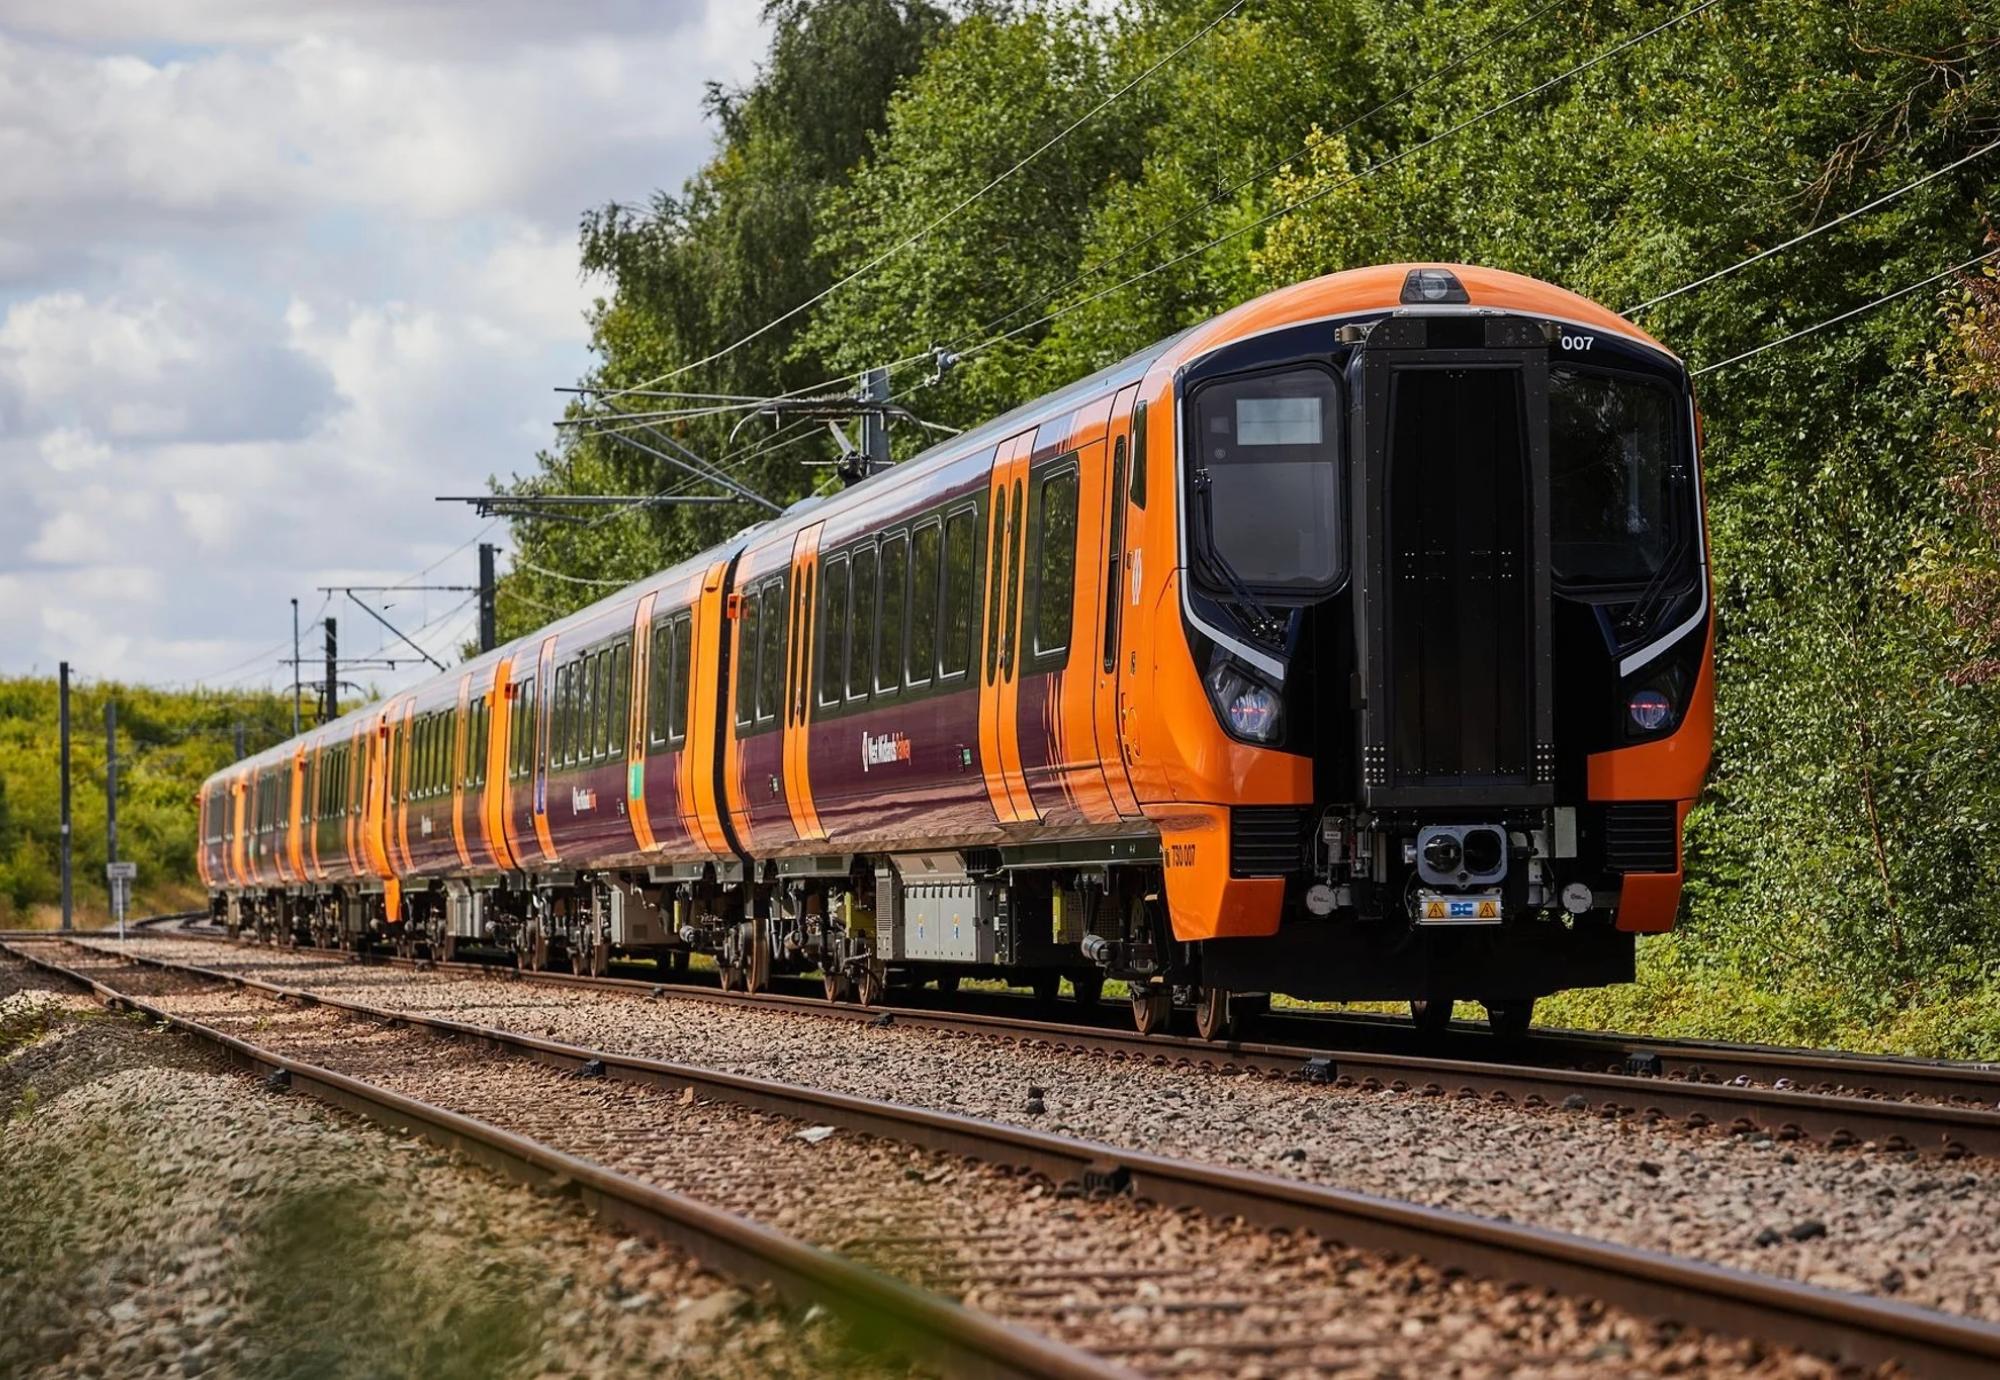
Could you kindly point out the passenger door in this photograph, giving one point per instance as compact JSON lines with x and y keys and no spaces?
{"x":999,"y":686}
{"x":1121,"y":584}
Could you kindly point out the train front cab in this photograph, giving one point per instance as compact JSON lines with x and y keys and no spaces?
{"x":1432,"y":681}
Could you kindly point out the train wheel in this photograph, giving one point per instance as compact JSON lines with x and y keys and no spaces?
{"x":1213,"y":1018}
{"x":535,"y":951}
{"x":1151,"y":1007}
{"x":1431,"y":1017}
{"x":757,"y":976}
{"x":1089,"y":988}
{"x":947,"y":983}
{"x":1510,"y":1019}
{"x":447,"y":949}
{"x":871,"y":984}
{"x":834,"y":983}
{"x":599,"y":962}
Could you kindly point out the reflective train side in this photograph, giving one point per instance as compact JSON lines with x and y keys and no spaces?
{"x":1354,"y":644}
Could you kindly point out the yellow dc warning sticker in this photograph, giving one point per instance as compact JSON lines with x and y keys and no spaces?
{"x":1434,"y":908}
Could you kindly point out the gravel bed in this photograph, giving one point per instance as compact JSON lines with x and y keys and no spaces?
{"x":1163,"y":1291}
{"x":168,"y":1217}
{"x":1859,"y":1219}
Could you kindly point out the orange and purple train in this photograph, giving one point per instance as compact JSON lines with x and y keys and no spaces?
{"x":1356,"y":645}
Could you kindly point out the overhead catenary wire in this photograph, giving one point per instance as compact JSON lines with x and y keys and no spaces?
{"x":520,"y":563}
{"x":1308,"y":199}
{"x":1840,"y":220}
{"x":1849,"y":315}
{"x":936,"y":222}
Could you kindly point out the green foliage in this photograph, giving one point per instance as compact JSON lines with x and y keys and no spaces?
{"x":1842,"y":866}
{"x":168,"y":743}
{"x":699,"y":269}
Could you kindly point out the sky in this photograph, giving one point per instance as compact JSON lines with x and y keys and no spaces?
{"x":273,"y":276}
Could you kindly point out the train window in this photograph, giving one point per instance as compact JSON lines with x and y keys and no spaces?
{"x":517,"y":723}
{"x":590,"y":713}
{"x":677,"y":690}
{"x":800,"y":693}
{"x":1138,"y":455}
{"x":595,"y":689}
{"x":861,"y":636}
{"x":746,"y":660}
{"x":895,"y":587}
{"x":621,"y":695}
{"x":658,"y":669}
{"x":1055,"y":573}
{"x":771,"y":653}
{"x":565,"y":716}
{"x":1615,"y":478}
{"x":958,"y":601}
{"x":996,"y":579}
{"x":531,"y":708}
{"x":833,"y":631}
{"x":924,"y":544}
{"x":1114,"y":559}
{"x":552,"y":749}
{"x":1010,"y":593}
{"x":1268,"y":445}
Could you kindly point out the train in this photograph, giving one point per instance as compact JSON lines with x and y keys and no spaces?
{"x":1354,"y":645}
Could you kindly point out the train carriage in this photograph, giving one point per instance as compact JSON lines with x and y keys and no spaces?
{"x":1355,"y":644}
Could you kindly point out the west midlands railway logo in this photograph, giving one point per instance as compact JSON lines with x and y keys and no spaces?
{"x":883,"y":750}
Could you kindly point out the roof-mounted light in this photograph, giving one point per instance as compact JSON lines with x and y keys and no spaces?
{"x":1431,"y":287}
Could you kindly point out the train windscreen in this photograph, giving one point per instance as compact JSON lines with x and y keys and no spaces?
{"x":1271,"y":445}
{"x":1614,"y":477}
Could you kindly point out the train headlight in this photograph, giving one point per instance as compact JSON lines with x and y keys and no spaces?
{"x":1649,"y":710}
{"x":1250,"y":708}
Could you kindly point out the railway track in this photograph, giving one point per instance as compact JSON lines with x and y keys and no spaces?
{"x":1857,"y":1329}
{"x":1934,"y":1116}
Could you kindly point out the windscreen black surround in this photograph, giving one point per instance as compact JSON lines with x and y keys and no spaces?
{"x":1270,"y":446}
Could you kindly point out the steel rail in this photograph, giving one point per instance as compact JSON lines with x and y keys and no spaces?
{"x":960,"y":1340}
{"x":1858,"y":1329}
{"x":1783,"y":1113}
{"x":1868,"y":1076}
{"x":1886,"y":1075}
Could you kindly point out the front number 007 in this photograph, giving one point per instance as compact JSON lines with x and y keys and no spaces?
{"x":1578,"y":342}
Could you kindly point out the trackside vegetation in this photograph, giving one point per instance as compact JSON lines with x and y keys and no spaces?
{"x":1843,"y":866}
{"x":169,"y":741}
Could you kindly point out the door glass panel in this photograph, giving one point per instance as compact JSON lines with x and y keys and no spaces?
{"x":771,"y":662}
{"x":1055,"y":582}
{"x":746,"y":660}
{"x":996,"y":579}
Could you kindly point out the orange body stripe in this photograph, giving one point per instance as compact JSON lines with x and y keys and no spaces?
{"x":460,"y":744}
{"x":643,"y":672}
{"x":539,"y":803}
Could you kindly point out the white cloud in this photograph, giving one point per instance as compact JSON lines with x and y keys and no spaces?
{"x":272,"y":278}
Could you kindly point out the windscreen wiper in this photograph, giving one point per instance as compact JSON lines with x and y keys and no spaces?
{"x":1251,"y":613}
{"x":1647,"y":606}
